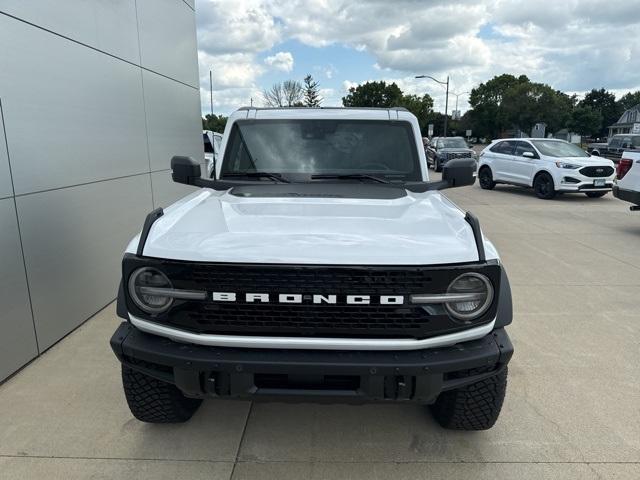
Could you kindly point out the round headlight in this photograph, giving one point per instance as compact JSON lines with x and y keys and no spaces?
{"x":479,"y":290}
{"x":149,"y":278}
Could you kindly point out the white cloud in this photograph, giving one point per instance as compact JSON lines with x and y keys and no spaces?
{"x":282,"y":61}
{"x":573,"y":45}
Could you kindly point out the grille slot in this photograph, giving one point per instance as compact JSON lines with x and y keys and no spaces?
{"x":594,"y":171}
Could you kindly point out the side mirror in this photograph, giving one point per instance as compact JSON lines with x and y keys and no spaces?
{"x":185,"y":170}
{"x":459,"y":172}
{"x":528,"y":155}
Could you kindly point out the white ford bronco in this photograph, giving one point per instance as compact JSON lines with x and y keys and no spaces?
{"x":317,"y":262}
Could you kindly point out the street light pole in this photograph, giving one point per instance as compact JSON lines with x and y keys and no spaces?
{"x":446,"y":106}
{"x":446,"y":100}
{"x":457,"y":95}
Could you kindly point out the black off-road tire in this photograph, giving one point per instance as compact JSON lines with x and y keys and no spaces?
{"x":596,"y":194}
{"x":153,"y":401}
{"x":544,"y":187}
{"x":485,"y":178}
{"x":474,"y":407}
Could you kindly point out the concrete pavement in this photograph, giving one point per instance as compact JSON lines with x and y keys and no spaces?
{"x":572,"y":409}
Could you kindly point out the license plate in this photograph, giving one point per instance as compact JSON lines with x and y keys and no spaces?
{"x":600,"y":182}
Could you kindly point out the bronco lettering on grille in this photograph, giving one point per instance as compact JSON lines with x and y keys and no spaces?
{"x":308,"y":298}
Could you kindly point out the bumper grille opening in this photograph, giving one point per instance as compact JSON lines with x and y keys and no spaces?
{"x":570,"y":180}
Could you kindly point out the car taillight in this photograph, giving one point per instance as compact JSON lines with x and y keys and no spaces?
{"x":624,"y":165}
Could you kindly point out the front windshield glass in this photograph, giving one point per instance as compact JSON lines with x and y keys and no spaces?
{"x":558,"y":149}
{"x":452,"y":143}
{"x":301,"y":148}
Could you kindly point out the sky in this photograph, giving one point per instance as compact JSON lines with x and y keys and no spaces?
{"x":572,"y":45}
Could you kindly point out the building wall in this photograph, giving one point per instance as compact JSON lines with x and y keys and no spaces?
{"x":95,"y":98}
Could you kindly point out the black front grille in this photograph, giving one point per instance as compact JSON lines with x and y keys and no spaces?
{"x":458,"y":155}
{"x":596,"y":171}
{"x":308,"y":319}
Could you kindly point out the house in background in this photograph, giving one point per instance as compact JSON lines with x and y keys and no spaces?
{"x":629,"y":122}
{"x":538,"y":130}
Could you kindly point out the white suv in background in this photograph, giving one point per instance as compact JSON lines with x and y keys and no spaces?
{"x":627,"y":186}
{"x":548,"y":165}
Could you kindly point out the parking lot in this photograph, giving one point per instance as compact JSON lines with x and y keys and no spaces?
{"x":572,"y":409}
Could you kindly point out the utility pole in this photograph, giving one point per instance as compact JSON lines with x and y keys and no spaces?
{"x":211,"y":92}
{"x":446,"y":100}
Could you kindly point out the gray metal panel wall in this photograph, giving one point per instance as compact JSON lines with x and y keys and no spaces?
{"x":171,"y":128}
{"x":88,"y":97}
{"x":73,"y":239}
{"x":17,"y":338}
{"x":109,"y":26}
{"x":164,"y":46}
{"x":84,"y":146}
{"x":6,"y":189}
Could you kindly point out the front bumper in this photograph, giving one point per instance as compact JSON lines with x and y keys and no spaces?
{"x":583,"y":184}
{"x":322,"y":376}
{"x":626,"y":195}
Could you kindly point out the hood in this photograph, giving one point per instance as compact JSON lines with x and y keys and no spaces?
{"x":592,"y":160}
{"x":414,"y":229}
{"x":455,"y":149}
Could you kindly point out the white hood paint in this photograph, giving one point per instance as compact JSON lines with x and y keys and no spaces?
{"x":210,"y":226}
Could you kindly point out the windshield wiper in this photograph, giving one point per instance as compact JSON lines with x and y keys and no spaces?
{"x":349,"y":176}
{"x":273,"y":176}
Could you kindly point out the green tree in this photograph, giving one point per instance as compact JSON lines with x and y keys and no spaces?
{"x":486,"y":102}
{"x":312,"y":96}
{"x":603,"y":102}
{"x":421,"y":107}
{"x":373,"y":94}
{"x":215,"y":123}
{"x":628,"y":100}
{"x":585,"y":120}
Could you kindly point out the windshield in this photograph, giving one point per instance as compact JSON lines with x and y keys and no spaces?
{"x":558,"y":149}
{"x":455,"y":142}
{"x":301,"y":148}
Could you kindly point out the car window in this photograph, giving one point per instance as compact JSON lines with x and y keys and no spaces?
{"x":208,"y":148}
{"x":505,"y":148}
{"x":558,"y":148}
{"x":454,"y":142}
{"x":522,"y":147}
{"x":300,"y":146}
{"x":636,"y":141}
{"x":615,"y":142}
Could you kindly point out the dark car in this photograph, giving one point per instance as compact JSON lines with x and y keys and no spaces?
{"x":615,"y":146}
{"x":443,"y":149}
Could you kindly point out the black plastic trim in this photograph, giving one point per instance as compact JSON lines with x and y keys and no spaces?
{"x":148,"y":223}
{"x":121,"y":303}
{"x":626,"y":195}
{"x":477,"y":234}
{"x":504,"y":314}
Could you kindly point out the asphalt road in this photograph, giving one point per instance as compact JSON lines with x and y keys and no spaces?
{"x":572,"y":409}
